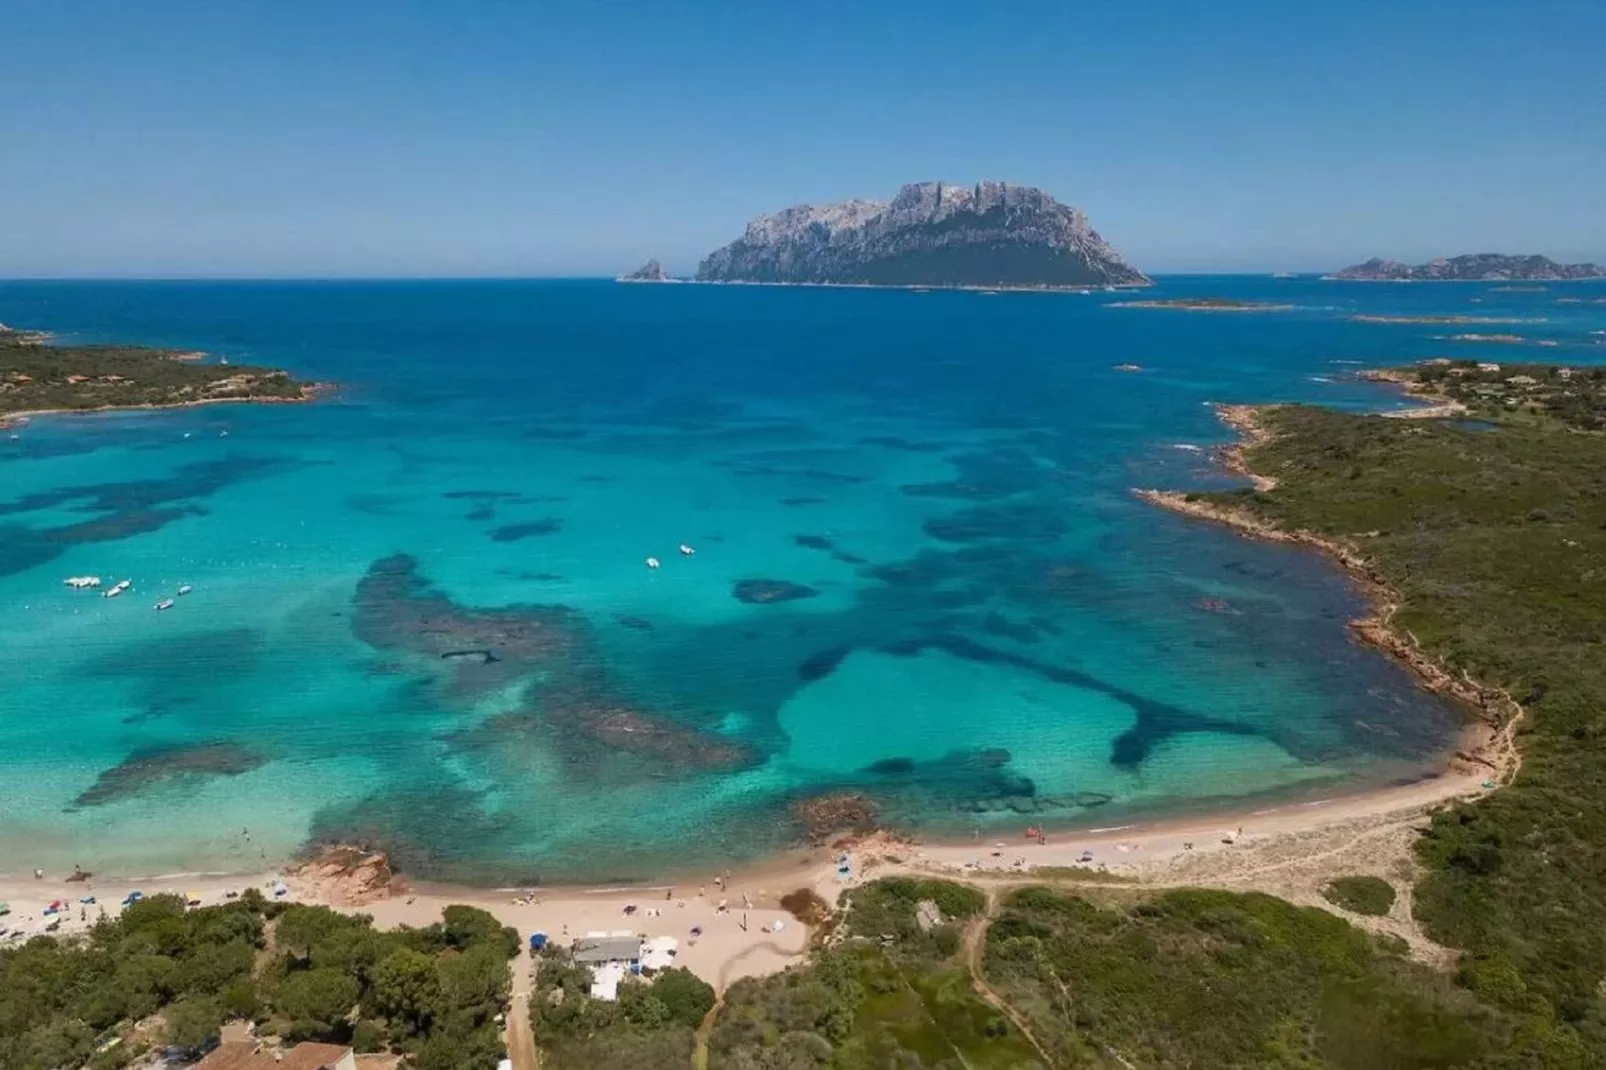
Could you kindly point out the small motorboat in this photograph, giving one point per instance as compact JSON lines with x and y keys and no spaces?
{"x":686,"y":550}
{"x":184,"y":589}
{"x":166,"y":603}
{"x":652,"y":562}
{"x":80,"y":583}
{"x":118,"y":588}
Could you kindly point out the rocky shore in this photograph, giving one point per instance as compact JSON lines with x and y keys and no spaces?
{"x":1491,"y":748}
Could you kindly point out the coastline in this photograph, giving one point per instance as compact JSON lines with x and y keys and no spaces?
{"x":309,"y":392}
{"x":1090,"y":288}
{"x":1488,"y":742}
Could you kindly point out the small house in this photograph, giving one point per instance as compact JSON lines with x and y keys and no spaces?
{"x":252,"y":1054}
{"x":1488,"y":366}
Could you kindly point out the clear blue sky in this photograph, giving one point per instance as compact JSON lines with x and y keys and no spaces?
{"x":388,"y":137}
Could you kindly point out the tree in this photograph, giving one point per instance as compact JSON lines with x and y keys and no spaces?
{"x":316,"y":1001}
{"x":687,"y":997}
{"x":406,"y":988}
{"x":465,"y":927}
{"x":192,"y":1021}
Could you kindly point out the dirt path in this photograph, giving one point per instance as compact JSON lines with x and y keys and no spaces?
{"x":975,"y":939}
{"x":520,"y":1040}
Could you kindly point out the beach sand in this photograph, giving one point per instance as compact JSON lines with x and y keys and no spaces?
{"x":1290,"y":850}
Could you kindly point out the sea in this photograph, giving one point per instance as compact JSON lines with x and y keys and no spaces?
{"x":899,"y":564}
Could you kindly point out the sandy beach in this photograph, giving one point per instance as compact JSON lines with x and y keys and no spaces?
{"x":1290,"y":849}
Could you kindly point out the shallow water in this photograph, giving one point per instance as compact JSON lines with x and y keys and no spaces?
{"x":421,"y":612}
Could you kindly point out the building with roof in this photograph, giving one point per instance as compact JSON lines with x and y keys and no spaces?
{"x":254,"y":1055}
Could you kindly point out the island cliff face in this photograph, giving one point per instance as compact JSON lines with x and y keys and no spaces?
{"x":1475,"y":267}
{"x":991,"y":235}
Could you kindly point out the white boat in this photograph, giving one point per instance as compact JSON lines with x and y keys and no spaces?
{"x":686,"y":550}
{"x":118,"y":588}
{"x":79,"y":583}
{"x":652,"y":562}
{"x":166,"y":603}
{"x":185,"y":588}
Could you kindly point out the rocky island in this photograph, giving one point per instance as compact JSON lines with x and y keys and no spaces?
{"x":1206,"y":304}
{"x":992,"y":235}
{"x":1474,"y":267}
{"x":37,"y":376}
{"x":651,"y":271}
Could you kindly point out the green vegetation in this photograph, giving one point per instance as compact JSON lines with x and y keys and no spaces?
{"x":894,"y":993}
{"x":163,"y":974}
{"x":35,"y":375}
{"x":651,"y":1024}
{"x":1203,"y":978}
{"x":1360,"y":895}
{"x":1495,"y":541}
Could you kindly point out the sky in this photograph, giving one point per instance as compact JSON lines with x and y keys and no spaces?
{"x":163,"y":138}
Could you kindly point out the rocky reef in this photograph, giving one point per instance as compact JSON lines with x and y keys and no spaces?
{"x":146,"y":769}
{"x":1474,"y":267}
{"x":992,"y":235}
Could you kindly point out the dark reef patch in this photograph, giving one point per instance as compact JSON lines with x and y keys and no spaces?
{"x":396,"y":610}
{"x":197,"y":480}
{"x":849,"y":559}
{"x":482,"y":495}
{"x":819,"y":475}
{"x":762,"y":592}
{"x":813,"y":542}
{"x":898,"y":442}
{"x":1155,"y":722}
{"x":1001,"y":626}
{"x":798,"y":501}
{"x":480,"y":514}
{"x":1022,"y":522}
{"x":556,"y":434}
{"x":527,"y":530}
{"x":891,"y":767}
{"x":819,"y":666}
{"x":640,"y":624}
{"x":145,"y":769}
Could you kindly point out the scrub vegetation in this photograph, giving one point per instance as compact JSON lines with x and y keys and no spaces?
{"x":38,"y":376}
{"x":162,"y":974}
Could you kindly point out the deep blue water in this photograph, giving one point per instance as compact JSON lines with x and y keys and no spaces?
{"x":994,"y":632}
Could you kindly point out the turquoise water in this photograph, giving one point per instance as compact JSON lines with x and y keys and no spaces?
{"x":994,"y":632}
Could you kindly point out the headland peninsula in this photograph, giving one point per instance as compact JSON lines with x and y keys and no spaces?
{"x":37,"y":377}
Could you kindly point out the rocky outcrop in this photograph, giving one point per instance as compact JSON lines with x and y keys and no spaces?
{"x":991,"y":235}
{"x":348,"y":875}
{"x":651,"y":271}
{"x":1475,"y":267}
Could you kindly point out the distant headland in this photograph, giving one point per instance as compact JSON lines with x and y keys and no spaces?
{"x":38,"y":377}
{"x":1474,"y":267}
{"x":990,"y":236}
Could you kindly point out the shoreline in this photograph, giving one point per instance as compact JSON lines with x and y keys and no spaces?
{"x":309,"y":392}
{"x":1091,"y":288}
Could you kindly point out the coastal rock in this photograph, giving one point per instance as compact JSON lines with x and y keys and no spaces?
{"x":651,"y":271}
{"x":990,"y":235}
{"x":761,"y":592}
{"x":823,"y":816}
{"x":348,"y":874}
{"x":1473,"y":267}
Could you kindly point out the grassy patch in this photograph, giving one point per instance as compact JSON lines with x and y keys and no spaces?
{"x":1360,"y":895}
